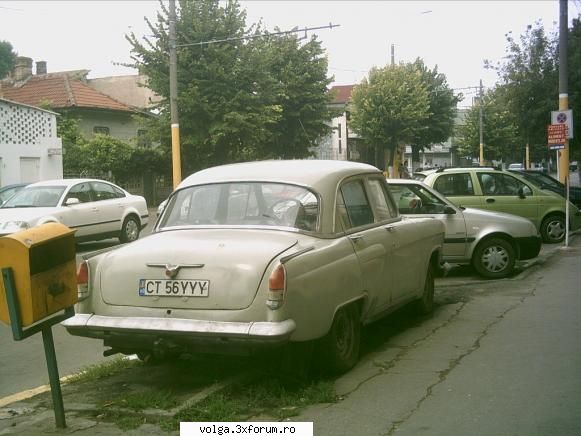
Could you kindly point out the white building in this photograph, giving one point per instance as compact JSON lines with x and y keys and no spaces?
{"x":29,"y":147}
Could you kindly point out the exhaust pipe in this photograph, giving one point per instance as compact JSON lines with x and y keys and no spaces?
{"x":110,"y":352}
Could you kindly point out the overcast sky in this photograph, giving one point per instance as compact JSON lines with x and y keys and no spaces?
{"x":454,"y":35}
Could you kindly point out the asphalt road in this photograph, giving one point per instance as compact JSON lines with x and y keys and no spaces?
{"x":23,"y":363}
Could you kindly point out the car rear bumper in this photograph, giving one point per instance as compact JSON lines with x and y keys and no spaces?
{"x":101,"y":327}
{"x":529,"y":247}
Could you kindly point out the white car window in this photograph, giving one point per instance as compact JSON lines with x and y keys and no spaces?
{"x":104,"y":191}
{"x":82,"y":192}
{"x":357,"y":205}
{"x":249,"y":203}
{"x":39,"y":196}
{"x":383,"y":205}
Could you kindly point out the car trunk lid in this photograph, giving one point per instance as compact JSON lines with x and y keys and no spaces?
{"x":191,"y":269}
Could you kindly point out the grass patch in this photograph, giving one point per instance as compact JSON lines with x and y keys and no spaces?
{"x":145,"y":400}
{"x":102,"y":370}
{"x":123,"y":420}
{"x":277,"y":398}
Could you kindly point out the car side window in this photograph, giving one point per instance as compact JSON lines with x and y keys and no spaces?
{"x":384,"y":207}
{"x":357,"y":204}
{"x":501,"y":184}
{"x":450,"y":185}
{"x":82,"y":192}
{"x":104,"y":191}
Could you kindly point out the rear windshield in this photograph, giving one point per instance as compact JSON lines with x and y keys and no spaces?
{"x":243,"y":204}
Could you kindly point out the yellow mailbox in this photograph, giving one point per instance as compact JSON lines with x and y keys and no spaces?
{"x":44,"y":268}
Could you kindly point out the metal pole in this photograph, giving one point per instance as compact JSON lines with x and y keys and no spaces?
{"x":564,"y":104}
{"x":173,"y":93}
{"x":481,"y":129}
{"x":53,"y":377}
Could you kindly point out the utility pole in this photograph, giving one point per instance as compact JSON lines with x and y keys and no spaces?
{"x":480,"y":103}
{"x":563,"y":86}
{"x":564,"y":104}
{"x":173,"y":94}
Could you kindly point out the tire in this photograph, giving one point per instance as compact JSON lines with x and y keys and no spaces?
{"x":553,"y":229}
{"x":494,"y":258}
{"x":130,"y":229}
{"x":339,"y":351}
{"x":425,"y":304}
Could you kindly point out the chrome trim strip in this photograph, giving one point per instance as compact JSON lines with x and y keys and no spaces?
{"x":249,"y":330}
{"x":179,"y":265}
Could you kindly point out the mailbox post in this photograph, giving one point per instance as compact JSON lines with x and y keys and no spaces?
{"x":38,"y":290}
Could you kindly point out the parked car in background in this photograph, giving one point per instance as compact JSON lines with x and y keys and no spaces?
{"x":503,"y":191}
{"x":545,"y":181}
{"x":96,"y":209}
{"x":262,"y":253}
{"x":516,"y":166}
{"x":9,"y":190}
{"x":492,"y":242}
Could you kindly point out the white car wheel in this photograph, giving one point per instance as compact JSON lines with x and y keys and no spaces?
{"x":130,"y":230}
{"x":494,"y":258}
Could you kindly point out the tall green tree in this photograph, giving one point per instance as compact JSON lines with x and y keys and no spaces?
{"x":239,"y":99}
{"x":500,"y":131}
{"x":574,"y":85}
{"x":7,"y":58}
{"x":390,"y":107}
{"x":439,"y":125}
{"x":529,"y":76}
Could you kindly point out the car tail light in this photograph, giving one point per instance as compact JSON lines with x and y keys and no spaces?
{"x":83,"y":280}
{"x":276,"y":287}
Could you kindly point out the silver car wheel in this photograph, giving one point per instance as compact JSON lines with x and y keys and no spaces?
{"x":555,"y":230}
{"x":495,"y":258}
{"x":130,"y":230}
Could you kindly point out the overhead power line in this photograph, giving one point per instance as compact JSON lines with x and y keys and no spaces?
{"x":261,"y":35}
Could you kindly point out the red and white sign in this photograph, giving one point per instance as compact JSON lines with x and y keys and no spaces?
{"x":557,"y":135}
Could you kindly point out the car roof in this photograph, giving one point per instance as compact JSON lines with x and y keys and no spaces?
{"x":64,"y":182}
{"x":316,"y":173}
{"x":405,"y":182}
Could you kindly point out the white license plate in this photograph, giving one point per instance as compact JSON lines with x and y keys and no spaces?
{"x":174,"y":288}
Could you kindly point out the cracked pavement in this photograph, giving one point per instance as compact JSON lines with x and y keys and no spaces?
{"x":497,"y":357}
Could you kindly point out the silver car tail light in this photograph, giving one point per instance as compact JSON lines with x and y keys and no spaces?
{"x":83,"y":281}
{"x":276,"y":287}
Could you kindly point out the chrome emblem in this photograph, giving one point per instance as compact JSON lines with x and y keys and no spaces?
{"x":171,"y":271}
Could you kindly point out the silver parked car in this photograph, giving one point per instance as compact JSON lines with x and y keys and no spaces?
{"x":490,"y":241}
{"x":263,"y":253}
{"x":96,"y":209}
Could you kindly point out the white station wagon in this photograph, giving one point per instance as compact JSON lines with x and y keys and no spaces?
{"x":262,"y":253}
{"x":96,"y":209}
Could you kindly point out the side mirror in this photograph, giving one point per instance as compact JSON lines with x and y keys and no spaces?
{"x":449,"y":210}
{"x":72,"y":201}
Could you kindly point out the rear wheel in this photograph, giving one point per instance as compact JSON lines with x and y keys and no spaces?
{"x":340,"y":347}
{"x":553,"y":229}
{"x":129,"y":230}
{"x":494,"y":258}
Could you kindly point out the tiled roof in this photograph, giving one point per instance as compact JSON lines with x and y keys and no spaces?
{"x":342,"y":93}
{"x":61,"y":91}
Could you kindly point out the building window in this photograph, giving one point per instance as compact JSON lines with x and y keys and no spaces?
{"x":339,"y":130}
{"x":101,"y":130}
{"x":340,"y":149}
{"x":143,"y":139}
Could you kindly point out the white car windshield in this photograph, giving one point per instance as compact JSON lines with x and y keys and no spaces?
{"x":243,"y":204}
{"x":39,"y":196}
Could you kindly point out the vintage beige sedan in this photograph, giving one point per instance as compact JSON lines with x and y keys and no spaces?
{"x":262,"y":253}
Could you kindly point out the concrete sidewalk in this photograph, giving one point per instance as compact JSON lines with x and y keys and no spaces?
{"x":499,"y":359}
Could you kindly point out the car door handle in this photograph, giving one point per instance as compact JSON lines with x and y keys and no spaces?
{"x":490,"y":200}
{"x":356,"y":238}
{"x":94,"y":209}
{"x":389,"y":228}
